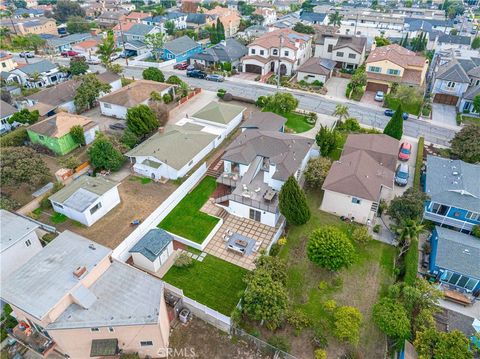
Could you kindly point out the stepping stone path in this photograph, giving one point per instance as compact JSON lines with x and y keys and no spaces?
{"x":199,"y":257}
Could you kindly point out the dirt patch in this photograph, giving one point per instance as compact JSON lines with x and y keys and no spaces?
{"x":205,"y":341}
{"x":138,"y":201}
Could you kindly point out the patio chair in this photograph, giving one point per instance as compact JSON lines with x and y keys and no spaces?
{"x":225,"y":237}
{"x":229,"y":232}
{"x":257,"y":246}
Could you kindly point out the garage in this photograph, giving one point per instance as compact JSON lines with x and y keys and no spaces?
{"x":445,"y":99}
{"x":253,"y":69}
{"x":374,"y":87}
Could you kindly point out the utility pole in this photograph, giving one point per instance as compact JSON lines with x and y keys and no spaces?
{"x":279,"y":56}
{"x":123,"y":40}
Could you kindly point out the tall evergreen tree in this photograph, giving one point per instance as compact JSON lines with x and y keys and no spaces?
{"x":394,"y":127}
{"x":220,"y":31}
{"x":293,"y":203}
{"x":213,"y":35}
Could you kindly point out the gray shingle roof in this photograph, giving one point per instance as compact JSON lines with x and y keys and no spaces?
{"x":180,"y":45}
{"x":472,"y":92}
{"x":453,"y":71}
{"x":315,"y":65}
{"x":139,"y":30}
{"x":433,"y":22}
{"x":264,"y":121}
{"x":454,"y":39}
{"x":230,"y":52}
{"x":458,"y":252}
{"x":152,"y":244}
{"x":313,"y":17}
{"x":6,"y":109}
{"x":420,"y":25}
{"x":67,"y":40}
{"x":40,"y":67}
{"x":453,"y":182}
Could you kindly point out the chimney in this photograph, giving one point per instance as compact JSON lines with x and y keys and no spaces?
{"x":79,"y":272}
{"x":161,"y":129}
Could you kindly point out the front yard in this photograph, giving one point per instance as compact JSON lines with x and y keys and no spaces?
{"x":186,"y":219}
{"x":297,"y":122}
{"x":214,"y":282}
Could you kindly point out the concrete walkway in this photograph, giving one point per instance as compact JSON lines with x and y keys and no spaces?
{"x":322,"y":119}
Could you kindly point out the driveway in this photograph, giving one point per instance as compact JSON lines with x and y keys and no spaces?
{"x":444,"y":115}
{"x":336,"y":87}
{"x":369,"y":98}
{"x":397,"y":190}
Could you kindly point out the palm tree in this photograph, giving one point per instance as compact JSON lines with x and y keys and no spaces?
{"x":159,"y":11}
{"x":335,"y":19}
{"x":35,"y":77}
{"x":407,"y":231}
{"x":341,"y":111}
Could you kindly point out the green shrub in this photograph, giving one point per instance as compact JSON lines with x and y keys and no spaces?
{"x":58,"y":218}
{"x":411,"y":263}
{"x":221,"y":93}
{"x":275,"y":249}
{"x":280,"y":342}
{"x":320,"y":354}
{"x":183,"y":261}
{"x":126,"y":82}
{"x":361,"y":235}
{"x":14,"y":138}
{"x":8,"y":204}
{"x":167,"y":98}
{"x":418,"y":163}
{"x":49,"y":237}
{"x":476,"y":231}
{"x":317,"y":83}
{"x":376,"y":228}
{"x":298,"y":319}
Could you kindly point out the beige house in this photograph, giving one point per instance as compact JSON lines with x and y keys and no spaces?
{"x":230,"y":19}
{"x":73,"y":298}
{"x":361,"y":178}
{"x":24,"y":26}
{"x":7,"y":63}
{"x":394,"y":64}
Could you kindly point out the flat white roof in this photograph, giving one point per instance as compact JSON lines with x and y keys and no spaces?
{"x":13,"y":228}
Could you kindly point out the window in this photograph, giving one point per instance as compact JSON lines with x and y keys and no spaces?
{"x":146,"y":343}
{"x":28,"y":243}
{"x":339,"y":53}
{"x":4,"y":64}
{"x":459,"y":280}
{"x":450,"y":84}
{"x":262,"y":52}
{"x":440,"y":209}
{"x":393,"y":72}
{"x":107,"y":105}
{"x":329,"y":48}
{"x":374,"y":69}
{"x":352,"y":56}
{"x":356,"y":200}
{"x":286,"y":53}
{"x":95,"y":208}
{"x":94,"y":329}
{"x":473,"y":216}
{"x":252,"y":51}
{"x":40,"y":137}
{"x":111,"y":330}
{"x":255,"y":215}
{"x":275,"y":52}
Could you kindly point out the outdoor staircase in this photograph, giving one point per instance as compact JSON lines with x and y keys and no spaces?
{"x":374,"y":207}
{"x":222,"y":199}
{"x":222,"y":214}
{"x":216,"y":169}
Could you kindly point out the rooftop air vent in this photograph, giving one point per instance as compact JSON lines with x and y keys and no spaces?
{"x":92,"y":246}
{"x":455,"y":173}
{"x":79,"y":271}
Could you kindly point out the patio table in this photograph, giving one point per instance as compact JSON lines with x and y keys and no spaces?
{"x":241,"y":244}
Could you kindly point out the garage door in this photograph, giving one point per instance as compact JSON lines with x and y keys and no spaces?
{"x":445,"y":99}
{"x":372,"y":86}
{"x":253,"y":69}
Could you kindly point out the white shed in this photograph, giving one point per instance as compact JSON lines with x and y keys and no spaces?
{"x":152,"y":250}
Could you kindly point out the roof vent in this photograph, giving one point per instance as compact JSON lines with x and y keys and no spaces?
{"x":466,"y":251}
{"x":79,"y":272}
{"x":455,"y":173}
{"x":92,"y":246}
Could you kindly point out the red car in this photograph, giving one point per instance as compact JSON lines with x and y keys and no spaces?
{"x":405,"y":151}
{"x":180,"y":66}
{"x":69,"y":53}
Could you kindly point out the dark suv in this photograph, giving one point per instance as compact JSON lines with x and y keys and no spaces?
{"x":199,"y":74}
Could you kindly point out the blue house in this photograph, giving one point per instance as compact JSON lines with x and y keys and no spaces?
{"x":180,"y":49}
{"x":454,"y":191}
{"x":455,"y":259}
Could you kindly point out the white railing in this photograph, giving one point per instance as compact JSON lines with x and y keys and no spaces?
{"x":201,"y":311}
{"x":121,"y":252}
{"x":199,"y":246}
{"x":159,"y":65}
{"x":278,"y":233}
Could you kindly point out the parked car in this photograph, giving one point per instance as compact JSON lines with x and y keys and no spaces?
{"x":93,"y":61}
{"x":401,"y":174}
{"x":127,"y":54}
{"x":379,"y":96}
{"x":69,"y":53}
{"x":190,"y":67}
{"x":118,"y":126}
{"x":27,"y":54}
{"x":114,"y":57}
{"x":215,"y":77}
{"x":197,"y":74}
{"x":390,"y":113}
{"x":405,"y":151}
{"x":181,"y":66}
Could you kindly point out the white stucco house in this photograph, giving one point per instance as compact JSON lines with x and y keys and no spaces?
{"x":174,"y":150}
{"x":39,"y":74}
{"x":152,"y":250}
{"x":18,"y":242}
{"x":116,"y":103}
{"x":87,"y":199}
{"x":6,"y":111}
{"x":256,"y":165}
{"x":362,"y":176}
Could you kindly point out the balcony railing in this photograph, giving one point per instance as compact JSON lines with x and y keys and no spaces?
{"x":229,"y":180}
{"x":449,"y":221}
{"x":33,"y":339}
{"x":272,"y":208}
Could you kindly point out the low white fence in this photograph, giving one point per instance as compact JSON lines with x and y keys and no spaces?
{"x":158,"y":65}
{"x":201,"y":311}
{"x":199,"y":246}
{"x":278,"y":233}
{"x":121,"y":252}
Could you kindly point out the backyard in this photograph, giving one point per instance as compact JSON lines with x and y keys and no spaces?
{"x":186,"y":219}
{"x":310,"y":286}
{"x":214,"y":282}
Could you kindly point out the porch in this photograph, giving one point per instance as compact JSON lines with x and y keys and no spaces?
{"x":32,"y":339}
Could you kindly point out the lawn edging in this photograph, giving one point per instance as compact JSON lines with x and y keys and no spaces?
{"x":199,"y":246}
{"x":418,"y":163}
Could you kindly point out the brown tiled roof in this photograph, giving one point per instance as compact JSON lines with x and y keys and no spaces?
{"x":412,"y":77}
{"x":272,"y":39}
{"x":355,"y":43}
{"x":135,"y":93}
{"x":60,"y":124}
{"x":312,"y":65}
{"x":396,"y":54}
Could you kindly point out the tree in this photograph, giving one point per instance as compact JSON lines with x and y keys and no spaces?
{"x":394,"y":127}
{"x":213,"y":34}
{"x":22,"y":165}
{"x":276,"y":267}
{"x":65,"y":9}
{"x":141,"y":120}
{"x":245,"y":9}
{"x":476,"y":43}
{"x":327,"y":139}
{"x":281,"y":102}
{"x":391,"y":318}
{"x":304,"y":29}
{"x":70,"y":162}
{"x":348,"y":321}
{"x":153,"y":74}
{"x":476,"y":103}
{"x":155,"y":41}
{"x":104,"y":155}
{"x":341,"y":111}
{"x":78,"y":134}
{"x":329,"y":247}
{"x":29,"y":42}
{"x":220,"y":30}
{"x":293,"y":203}
{"x":107,"y":48}
{"x":160,"y":111}
{"x":20,"y":4}
{"x":25,"y":116}
{"x":77,"y":24}
{"x":174,"y":80}
{"x":169,"y":27}
{"x":381,"y":41}
{"x":360,"y":235}
{"x":358,"y":80}
{"x":335,"y":19}
{"x":78,"y":66}
{"x":434,"y":344}
{"x":317,"y":171}
{"x":129,"y":139}
{"x":408,"y":3}
{"x":257,"y":19}
{"x":453,"y":32}
{"x":408,"y":206}
{"x":419,"y":43}
{"x":408,"y":230}
{"x":88,"y":91}
{"x":465,"y":145}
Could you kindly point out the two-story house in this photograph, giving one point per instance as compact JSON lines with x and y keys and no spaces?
{"x":134,"y":37}
{"x":394,"y":64}
{"x":7,"y":62}
{"x":284,"y":47}
{"x":269,"y":15}
{"x":452,"y":186}
{"x":39,"y":74}
{"x":72,"y":297}
{"x":347,"y":51}
{"x":450,"y":83}
{"x":229,"y":18}
{"x":256,"y":165}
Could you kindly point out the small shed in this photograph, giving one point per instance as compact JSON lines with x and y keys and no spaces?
{"x":152,"y":250}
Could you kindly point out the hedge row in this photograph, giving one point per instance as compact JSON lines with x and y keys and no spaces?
{"x":411,"y":263}
{"x":15,"y":138}
{"x":418,"y":163}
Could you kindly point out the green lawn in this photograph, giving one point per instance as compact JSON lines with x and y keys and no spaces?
{"x":297,"y":122}
{"x":214,"y":282}
{"x":186,"y":220}
{"x":470,"y":120}
{"x":58,"y":218}
{"x":360,"y":285}
{"x":335,"y":155}
{"x":411,"y":108}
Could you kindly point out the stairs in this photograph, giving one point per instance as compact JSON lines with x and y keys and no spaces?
{"x":216,"y":169}
{"x":374,"y":207}
{"x":223,"y":214}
